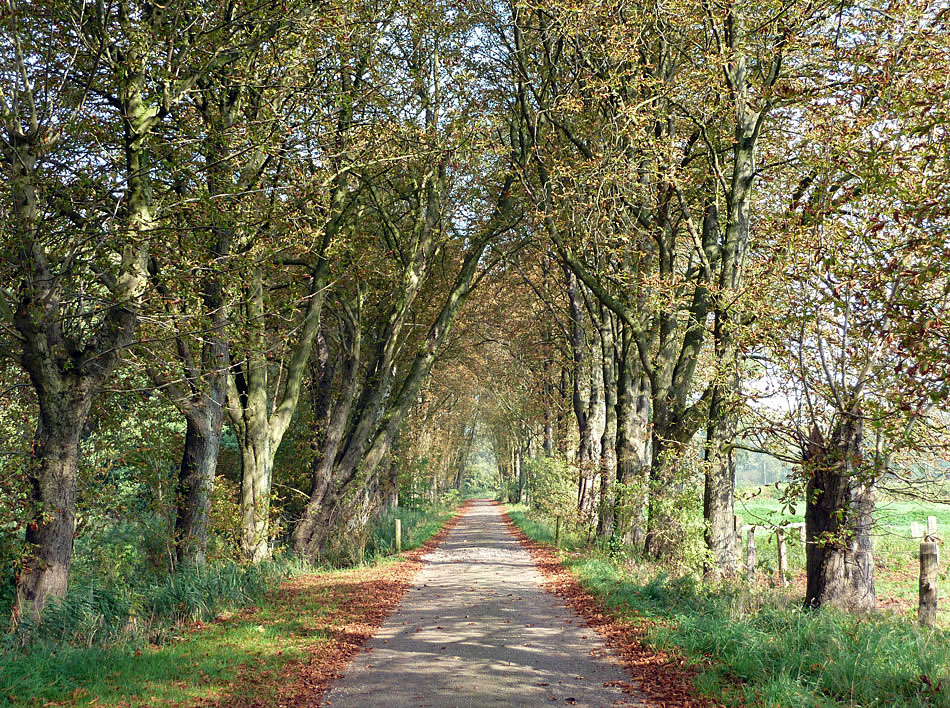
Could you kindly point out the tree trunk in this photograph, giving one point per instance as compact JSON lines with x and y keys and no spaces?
{"x":548,"y":430}
{"x":608,"y":440}
{"x":860,"y":557}
{"x":393,"y":486}
{"x":520,"y":474}
{"x":49,"y":534}
{"x":719,"y":492}
{"x":195,"y":483}
{"x":378,"y":423}
{"x":312,"y":530}
{"x":633,"y":448}
{"x":578,"y":342}
{"x":260,"y":430}
{"x":66,"y":373}
{"x":257,"y":466}
{"x":828,"y":513}
{"x":663,"y":528}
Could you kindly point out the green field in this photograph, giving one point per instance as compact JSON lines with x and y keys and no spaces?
{"x":896,"y":554}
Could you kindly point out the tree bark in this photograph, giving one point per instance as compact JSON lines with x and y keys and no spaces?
{"x":663,"y":527}
{"x":199,"y":463}
{"x":633,"y":447}
{"x":829,"y":516}
{"x":257,"y":467}
{"x":578,"y":343}
{"x":52,"y":475}
{"x":520,"y":474}
{"x":259,"y":429}
{"x":719,"y":492}
{"x":860,"y":556}
{"x":608,"y":440}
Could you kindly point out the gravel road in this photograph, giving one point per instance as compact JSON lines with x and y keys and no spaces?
{"x":476,"y":629}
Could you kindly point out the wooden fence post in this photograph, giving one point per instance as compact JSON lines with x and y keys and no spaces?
{"x":557,"y":532}
{"x":398,"y":536}
{"x":782,"y":556}
{"x":750,"y":553}
{"x":927,"y":609}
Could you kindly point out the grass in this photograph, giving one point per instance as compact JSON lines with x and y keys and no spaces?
{"x":94,"y":613}
{"x":200,"y":664}
{"x":418,"y":526}
{"x":85,"y":652}
{"x":543,"y":529}
{"x":759,"y":647}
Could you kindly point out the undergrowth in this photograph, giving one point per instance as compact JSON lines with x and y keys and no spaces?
{"x":543,"y":529}
{"x":418,"y":526}
{"x":760,"y":647}
{"x":96,"y":613}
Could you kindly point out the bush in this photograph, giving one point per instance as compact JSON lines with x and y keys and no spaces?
{"x":551,"y":486}
{"x":450,"y":498}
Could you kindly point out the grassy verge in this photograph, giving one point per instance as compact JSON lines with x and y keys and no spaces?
{"x":248,"y":652}
{"x":98,"y":614}
{"x":544,"y":529}
{"x":758,"y":647}
{"x":418,"y":526}
{"x":200,"y":665}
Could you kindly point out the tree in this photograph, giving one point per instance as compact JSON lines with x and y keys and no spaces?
{"x":686,"y":98}
{"x":856,"y":349}
{"x":78,"y":150}
{"x":431,"y":253}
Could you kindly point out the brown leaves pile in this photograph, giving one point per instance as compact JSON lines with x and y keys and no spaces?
{"x":664,"y":678}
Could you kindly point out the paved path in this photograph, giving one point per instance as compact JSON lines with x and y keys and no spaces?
{"x":476,"y":629}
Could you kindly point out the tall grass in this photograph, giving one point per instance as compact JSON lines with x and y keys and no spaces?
{"x":543,"y":529}
{"x":418,"y":526}
{"x":102,"y":629}
{"x":95,"y":613}
{"x":761,"y":648}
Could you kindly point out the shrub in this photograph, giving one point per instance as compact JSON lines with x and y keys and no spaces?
{"x":551,"y":486}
